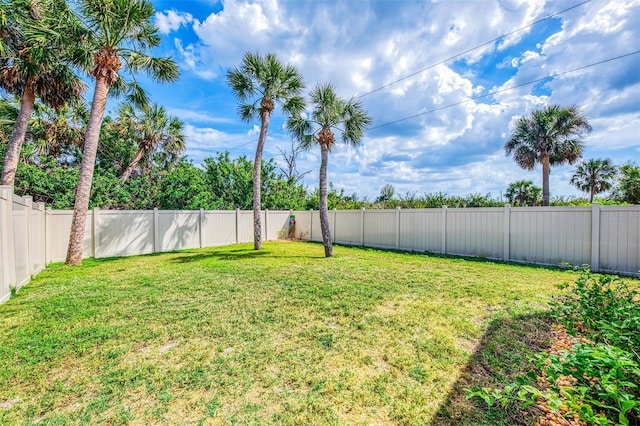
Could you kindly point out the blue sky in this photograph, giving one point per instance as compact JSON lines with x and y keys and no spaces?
{"x":455,"y":142}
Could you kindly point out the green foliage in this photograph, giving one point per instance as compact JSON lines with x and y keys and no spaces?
{"x":629,"y":184}
{"x":185,"y":189}
{"x":523,"y":193}
{"x":602,"y":307}
{"x":599,"y":380}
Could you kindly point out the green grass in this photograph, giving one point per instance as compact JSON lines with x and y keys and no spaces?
{"x":229,"y":335}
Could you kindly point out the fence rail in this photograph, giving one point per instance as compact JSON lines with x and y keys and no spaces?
{"x":606,"y":237}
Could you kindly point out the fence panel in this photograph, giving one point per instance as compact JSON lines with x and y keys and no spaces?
{"x":380,"y":228}
{"x":348,"y":227}
{"x":316,"y":230}
{"x":245,"y":223}
{"x":219,"y":228}
{"x":303,"y":224}
{"x":475,"y":232}
{"x":60,"y":229}
{"x":178,"y":229}
{"x":124,"y":233}
{"x":550,"y":235}
{"x":38,"y":238}
{"x":619,"y":236}
{"x":421,"y":230}
{"x":277,"y":224}
{"x":21,"y":240}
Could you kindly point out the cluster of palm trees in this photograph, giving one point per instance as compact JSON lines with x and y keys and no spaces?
{"x":45,"y":42}
{"x":260,"y":83}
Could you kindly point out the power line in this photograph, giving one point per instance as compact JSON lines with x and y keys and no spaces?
{"x":442,"y":62}
{"x":471,"y":50}
{"x":473,"y":98}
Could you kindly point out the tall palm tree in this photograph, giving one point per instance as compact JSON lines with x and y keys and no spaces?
{"x":594,"y":176}
{"x":32,"y":69}
{"x":271,"y":82}
{"x":115,"y":34}
{"x":153,"y":130}
{"x":549,"y":136}
{"x":330,"y":113}
{"x":523,"y":193}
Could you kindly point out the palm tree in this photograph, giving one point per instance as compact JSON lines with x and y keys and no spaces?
{"x":594,"y":176}
{"x":550,"y":136}
{"x":330,"y":113}
{"x":115,"y":34}
{"x":271,"y":82}
{"x":523,"y":193}
{"x":59,"y":133}
{"x":32,"y":69}
{"x":154,"y":131}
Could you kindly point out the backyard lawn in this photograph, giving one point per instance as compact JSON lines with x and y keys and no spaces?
{"x":228,"y":335}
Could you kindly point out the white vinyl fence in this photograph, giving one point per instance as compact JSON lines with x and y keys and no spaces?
{"x":607,"y":238}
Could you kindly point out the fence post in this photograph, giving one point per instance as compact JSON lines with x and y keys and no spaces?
{"x":266,"y":224}
{"x":333,"y":234}
{"x":156,"y":231}
{"x":95,"y":235}
{"x":42,"y":223}
{"x":47,"y":235}
{"x":506,"y":253}
{"x":237,"y":225}
{"x":201,"y":224}
{"x":310,"y":224}
{"x":595,"y":237}
{"x":362,"y":227}
{"x":444,"y":229}
{"x":8,"y":249}
{"x":397,"y":227}
{"x":28,"y":201}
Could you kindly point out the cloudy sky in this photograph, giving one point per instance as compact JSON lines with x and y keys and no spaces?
{"x":443,"y":80}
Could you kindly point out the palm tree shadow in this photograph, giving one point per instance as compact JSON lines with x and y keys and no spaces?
{"x":502,"y":354}
{"x":233,"y":254}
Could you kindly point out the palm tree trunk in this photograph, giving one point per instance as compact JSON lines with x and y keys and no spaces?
{"x":127,"y":172}
{"x":83,"y":191}
{"x":257,"y":182}
{"x":324,"y":209}
{"x":591,"y":193}
{"x":545,"y":180}
{"x":12,"y":156}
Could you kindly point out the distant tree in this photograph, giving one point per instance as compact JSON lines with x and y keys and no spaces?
{"x":594,"y":176}
{"x":271,"y":82}
{"x":291,"y":158}
{"x":111,"y":35}
{"x":153,"y":130}
{"x":31,"y":69}
{"x":629,"y":184}
{"x":386,"y":193}
{"x":523,"y":193}
{"x":330,"y":113}
{"x":549,"y":136}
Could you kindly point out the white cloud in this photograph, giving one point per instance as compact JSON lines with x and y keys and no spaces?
{"x":172,"y":20}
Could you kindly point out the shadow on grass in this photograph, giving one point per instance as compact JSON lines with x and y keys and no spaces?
{"x":501,"y":356}
{"x":239,"y":253}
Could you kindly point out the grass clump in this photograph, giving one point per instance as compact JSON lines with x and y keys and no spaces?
{"x":230,"y":335}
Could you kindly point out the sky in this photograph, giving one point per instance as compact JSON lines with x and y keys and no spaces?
{"x":443,"y":80}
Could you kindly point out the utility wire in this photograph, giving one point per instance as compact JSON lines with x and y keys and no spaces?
{"x":473,"y":98}
{"x":471,"y":50}
{"x":440,"y":63}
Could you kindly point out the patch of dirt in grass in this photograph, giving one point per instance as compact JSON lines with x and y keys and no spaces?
{"x":10,"y":402}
